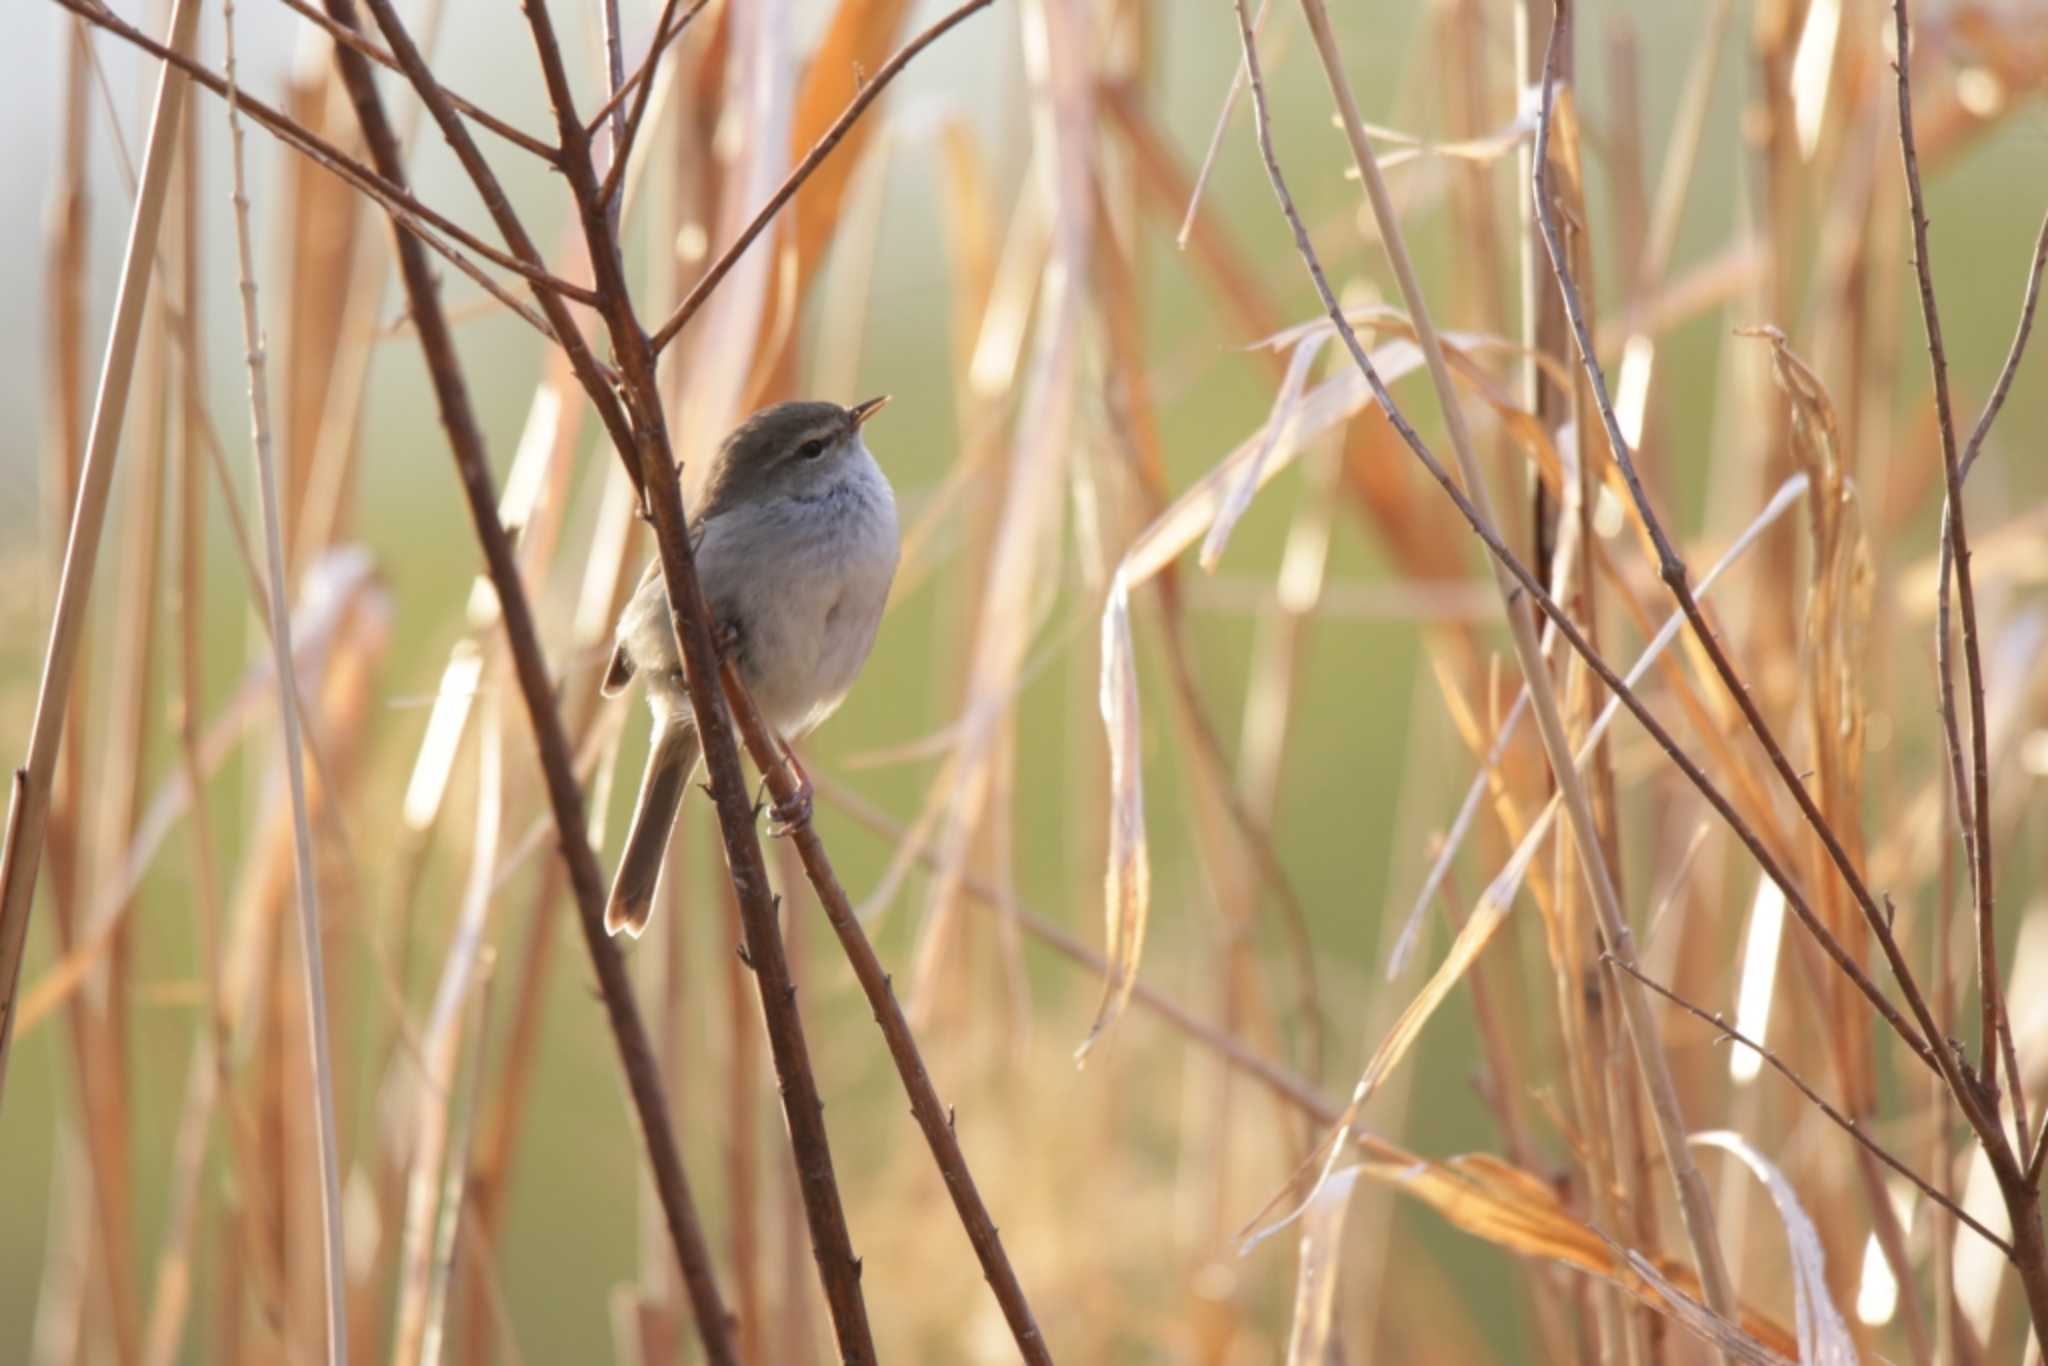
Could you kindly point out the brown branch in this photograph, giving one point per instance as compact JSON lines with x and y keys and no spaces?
{"x":614,"y":80}
{"x":1976,"y":814}
{"x":935,"y":1119}
{"x":536,"y":685}
{"x":1842,"y":1121}
{"x":395,"y":200}
{"x":650,"y":460}
{"x":857,"y":106}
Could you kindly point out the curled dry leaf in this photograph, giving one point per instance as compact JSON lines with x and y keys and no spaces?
{"x":1494,"y":1200}
{"x":1837,"y":620}
{"x":1127,"y":885}
{"x":1211,"y":508}
{"x":1823,"y":1335}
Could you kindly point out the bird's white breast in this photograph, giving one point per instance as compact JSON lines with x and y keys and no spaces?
{"x":806,"y":579}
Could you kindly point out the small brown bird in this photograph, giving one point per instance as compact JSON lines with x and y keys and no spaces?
{"x":796,"y":547}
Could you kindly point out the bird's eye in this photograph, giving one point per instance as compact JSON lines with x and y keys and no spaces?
{"x":812,"y":449}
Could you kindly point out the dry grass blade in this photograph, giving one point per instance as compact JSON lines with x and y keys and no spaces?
{"x":857,"y":40}
{"x":29,"y":800}
{"x":1309,"y":1341}
{"x":327,"y":1144}
{"x":1838,"y":614}
{"x":422,"y":1102}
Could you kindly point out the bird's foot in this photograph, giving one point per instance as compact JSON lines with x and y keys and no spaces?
{"x":726,"y":639}
{"x":788,"y":815}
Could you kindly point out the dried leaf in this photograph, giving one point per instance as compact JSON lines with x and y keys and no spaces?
{"x":1823,"y":1335}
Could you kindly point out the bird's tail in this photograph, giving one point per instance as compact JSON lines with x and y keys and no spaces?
{"x":671,"y":759}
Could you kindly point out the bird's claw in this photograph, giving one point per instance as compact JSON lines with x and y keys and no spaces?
{"x":785,"y":818}
{"x":725,"y":638}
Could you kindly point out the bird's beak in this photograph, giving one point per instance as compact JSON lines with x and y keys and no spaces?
{"x":863,"y":411}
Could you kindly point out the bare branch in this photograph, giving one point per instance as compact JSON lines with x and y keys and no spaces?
{"x":1975,"y":813}
{"x":589,"y":374}
{"x":2029,"y":300}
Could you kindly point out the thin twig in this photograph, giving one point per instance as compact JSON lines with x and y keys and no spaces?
{"x":614,"y":81}
{"x":934,"y":1118}
{"x":641,"y":81}
{"x":1842,"y":1121}
{"x":645,"y":71}
{"x":2028,"y":303}
{"x":884,"y":74}
{"x":29,"y":808}
{"x":335,"y":1262}
{"x":1695,"y":1208}
{"x":1977,"y":813}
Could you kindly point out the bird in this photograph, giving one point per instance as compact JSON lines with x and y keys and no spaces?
{"x":796,"y":545}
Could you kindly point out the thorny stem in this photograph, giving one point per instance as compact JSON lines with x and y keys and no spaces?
{"x":1696,"y":1210}
{"x":614,"y":81}
{"x":465,"y":438}
{"x":933,"y":1118}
